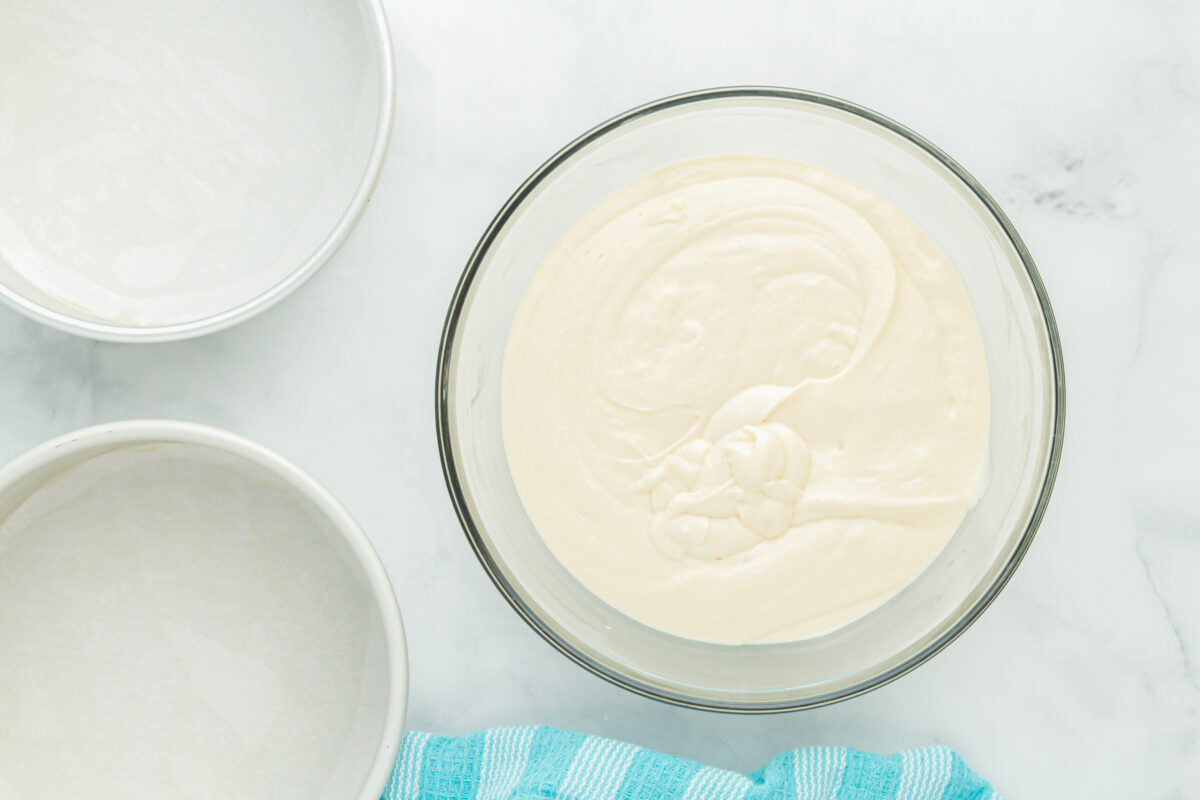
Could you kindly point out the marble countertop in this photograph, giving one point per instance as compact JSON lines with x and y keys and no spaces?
{"x":1083,"y":680}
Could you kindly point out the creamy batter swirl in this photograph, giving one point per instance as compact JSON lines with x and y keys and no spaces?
{"x":745,"y":400}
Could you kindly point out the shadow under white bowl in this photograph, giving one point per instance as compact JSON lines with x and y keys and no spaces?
{"x":185,"y":610}
{"x":1020,"y":339}
{"x":169,"y":171}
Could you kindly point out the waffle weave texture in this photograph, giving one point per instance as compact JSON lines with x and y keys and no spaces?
{"x":540,"y":763}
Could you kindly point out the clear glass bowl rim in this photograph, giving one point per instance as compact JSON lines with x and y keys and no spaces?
{"x":444,"y":385}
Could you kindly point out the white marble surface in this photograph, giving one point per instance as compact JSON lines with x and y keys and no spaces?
{"x":1084,"y":679}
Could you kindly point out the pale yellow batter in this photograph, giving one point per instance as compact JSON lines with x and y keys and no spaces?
{"x":745,"y":400}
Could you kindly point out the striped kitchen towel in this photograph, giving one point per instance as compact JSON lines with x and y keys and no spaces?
{"x":540,"y":763}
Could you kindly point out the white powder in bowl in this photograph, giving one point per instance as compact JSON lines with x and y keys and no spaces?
{"x":175,"y":622}
{"x":164,"y":162}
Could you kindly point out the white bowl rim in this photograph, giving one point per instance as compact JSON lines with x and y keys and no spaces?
{"x":114,"y":332}
{"x":158,"y":430}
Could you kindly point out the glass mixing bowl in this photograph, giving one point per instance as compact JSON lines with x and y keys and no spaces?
{"x":1023,"y":353}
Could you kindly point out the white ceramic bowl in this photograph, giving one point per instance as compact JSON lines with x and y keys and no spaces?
{"x":1019,"y":335}
{"x":253,"y":604}
{"x":123,"y":178}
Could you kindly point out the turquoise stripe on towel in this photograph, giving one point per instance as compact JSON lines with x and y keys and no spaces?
{"x":539,"y":763}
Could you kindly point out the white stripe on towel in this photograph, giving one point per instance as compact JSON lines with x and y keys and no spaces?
{"x":410,"y":781}
{"x":819,"y":772}
{"x":583,"y":767}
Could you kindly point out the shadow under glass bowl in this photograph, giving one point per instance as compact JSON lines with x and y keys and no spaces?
{"x":1023,"y":354}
